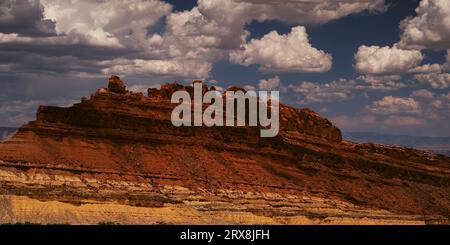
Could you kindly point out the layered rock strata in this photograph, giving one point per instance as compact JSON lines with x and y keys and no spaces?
{"x":116,"y":155}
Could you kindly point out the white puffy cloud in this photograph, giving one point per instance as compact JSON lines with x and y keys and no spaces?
{"x":226,"y":19}
{"x":395,"y":105}
{"x":422,"y":107}
{"x":214,"y":28}
{"x":288,"y":53}
{"x":185,"y":68}
{"x":430,"y":28}
{"x":435,"y":80}
{"x":269,"y":84}
{"x":102,"y":22}
{"x":220,"y":24}
{"x":104,"y":30}
{"x":385,"y":60}
{"x":98,"y":23}
{"x":192,"y":35}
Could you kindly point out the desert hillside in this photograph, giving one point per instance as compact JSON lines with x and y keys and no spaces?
{"x":116,"y":157}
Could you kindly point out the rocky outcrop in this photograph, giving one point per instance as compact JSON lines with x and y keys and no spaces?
{"x":304,"y":121}
{"x":166,"y":90}
{"x":308,"y":122}
{"x":116,"y":85}
{"x":122,"y":149}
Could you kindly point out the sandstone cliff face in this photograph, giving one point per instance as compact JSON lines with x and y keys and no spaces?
{"x":70,"y":155}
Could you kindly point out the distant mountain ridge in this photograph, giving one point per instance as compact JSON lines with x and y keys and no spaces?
{"x":435,"y":144}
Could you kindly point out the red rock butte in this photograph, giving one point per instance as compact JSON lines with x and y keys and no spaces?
{"x":120,"y":148}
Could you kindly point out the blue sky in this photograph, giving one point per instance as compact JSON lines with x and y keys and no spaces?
{"x":376,"y":66}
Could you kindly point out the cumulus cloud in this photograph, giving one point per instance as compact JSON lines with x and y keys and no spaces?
{"x":269,"y":84}
{"x":24,"y":17}
{"x":213,"y":29}
{"x":192,"y":35}
{"x":421,"y":103}
{"x":435,"y":80}
{"x":310,"y":92}
{"x":427,"y":68}
{"x":345,"y":89}
{"x":380,"y":83}
{"x":307,"y":12}
{"x":83,"y":22}
{"x":187,"y":68}
{"x":385,"y":60}
{"x":87,"y":31}
{"x":95,"y":30}
{"x":102,"y":22}
{"x":395,"y":105}
{"x":422,"y":93}
{"x":422,"y":109}
{"x":288,"y":53}
{"x":430,"y":28}
{"x":222,"y":22}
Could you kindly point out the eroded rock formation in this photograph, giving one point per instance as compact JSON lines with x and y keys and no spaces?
{"x":116,"y":85}
{"x":119,"y":149}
